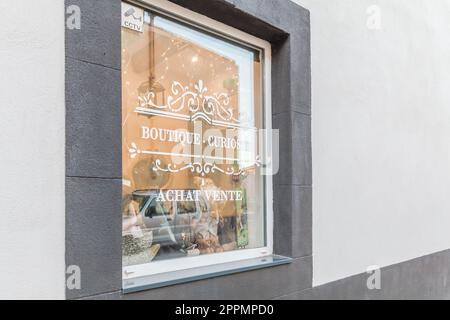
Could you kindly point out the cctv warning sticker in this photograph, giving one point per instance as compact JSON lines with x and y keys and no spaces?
{"x":132,"y":17}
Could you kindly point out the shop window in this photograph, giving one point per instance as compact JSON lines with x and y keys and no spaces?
{"x":194,"y":101}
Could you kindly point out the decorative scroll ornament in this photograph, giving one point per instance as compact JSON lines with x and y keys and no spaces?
{"x":195,"y":167}
{"x":133,"y":150}
{"x":214,"y":108}
{"x":202,"y":169}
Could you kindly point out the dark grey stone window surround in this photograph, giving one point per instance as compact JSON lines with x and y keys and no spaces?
{"x":93,"y":150}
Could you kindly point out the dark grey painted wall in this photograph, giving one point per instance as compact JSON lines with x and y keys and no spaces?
{"x":93,"y":144}
{"x":425,"y":277}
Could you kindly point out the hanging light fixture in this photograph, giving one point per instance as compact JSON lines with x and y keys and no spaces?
{"x":152,"y":85}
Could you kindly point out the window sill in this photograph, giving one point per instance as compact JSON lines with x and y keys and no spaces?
{"x":206,"y":272}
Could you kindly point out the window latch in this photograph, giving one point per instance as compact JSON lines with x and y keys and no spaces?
{"x":127,"y":273}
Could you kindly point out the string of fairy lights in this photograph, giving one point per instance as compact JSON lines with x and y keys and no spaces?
{"x":191,"y":65}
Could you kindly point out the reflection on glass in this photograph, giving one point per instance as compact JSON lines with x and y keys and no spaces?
{"x":191,"y":109}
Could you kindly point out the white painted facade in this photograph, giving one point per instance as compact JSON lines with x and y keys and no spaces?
{"x":32,"y":149}
{"x":380,"y":132}
{"x":381,"y":146}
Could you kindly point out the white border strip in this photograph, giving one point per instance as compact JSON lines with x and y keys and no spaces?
{"x":222,"y":30}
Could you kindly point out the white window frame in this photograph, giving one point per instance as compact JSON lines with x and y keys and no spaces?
{"x":224,"y":31}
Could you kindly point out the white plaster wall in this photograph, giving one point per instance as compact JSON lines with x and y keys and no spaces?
{"x":381,"y":133}
{"x":32,"y":149}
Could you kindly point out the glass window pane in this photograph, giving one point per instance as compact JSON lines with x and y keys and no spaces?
{"x":191,"y":110}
